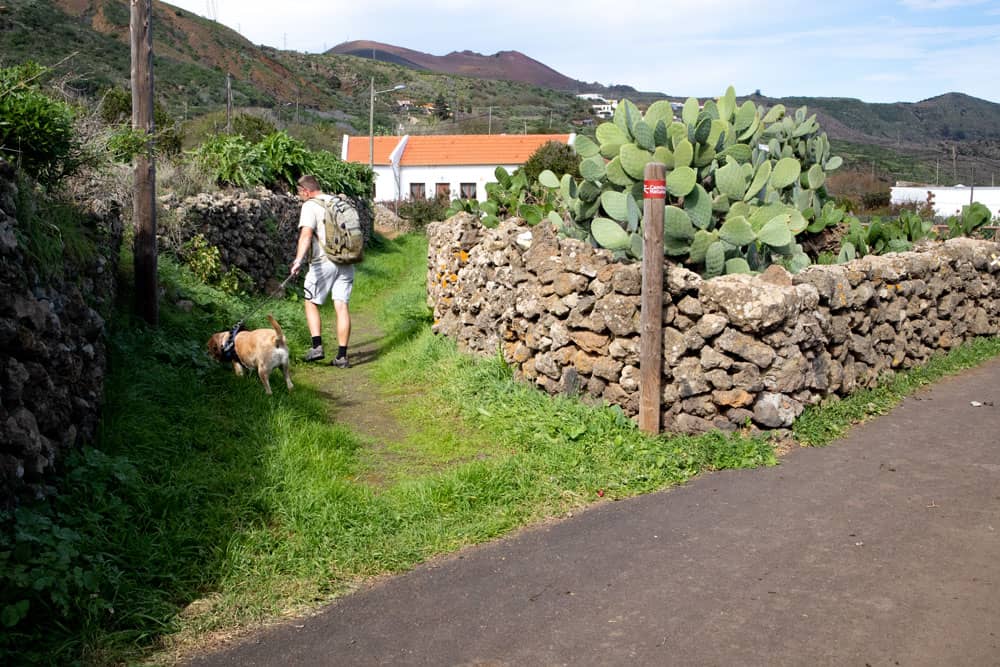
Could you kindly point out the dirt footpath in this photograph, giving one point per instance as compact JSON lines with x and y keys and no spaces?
{"x":881,"y":549}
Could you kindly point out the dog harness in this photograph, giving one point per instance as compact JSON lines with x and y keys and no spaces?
{"x":229,"y":347}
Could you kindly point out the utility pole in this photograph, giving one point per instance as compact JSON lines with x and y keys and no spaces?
{"x":937,"y":171}
{"x":229,"y":103}
{"x":954,"y":164}
{"x":490,"y":131}
{"x":144,"y":196}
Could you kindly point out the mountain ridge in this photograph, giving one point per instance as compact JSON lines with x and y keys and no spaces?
{"x":506,"y":65}
{"x":503,"y":92}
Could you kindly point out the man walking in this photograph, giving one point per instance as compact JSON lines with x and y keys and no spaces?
{"x":324,"y":277}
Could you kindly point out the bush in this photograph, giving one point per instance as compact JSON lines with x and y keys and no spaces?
{"x":558,"y":157}
{"x":205,"y":262}
{"x":278,"y":161}
{"x":36,"y":131}
{"x":252,"y":128}
{"x":875,"y":200}
{"x":422,"y":211}
{"x":115,"y":108}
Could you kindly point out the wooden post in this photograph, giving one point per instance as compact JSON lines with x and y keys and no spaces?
{"x":144,"y":196}
{"x":229,"y":103}
{"x":651,"y":318}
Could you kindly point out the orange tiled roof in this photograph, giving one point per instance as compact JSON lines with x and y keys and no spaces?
{"x":453,"y":149}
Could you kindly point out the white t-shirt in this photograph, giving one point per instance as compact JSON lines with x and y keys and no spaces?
{"x":311,"y":216}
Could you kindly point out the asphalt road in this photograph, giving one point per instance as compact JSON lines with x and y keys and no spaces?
{"x":880,"y":549}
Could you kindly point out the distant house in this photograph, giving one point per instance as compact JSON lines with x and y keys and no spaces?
{"x":453,"y":165}
{"x":599,"y":106}
{"x":947,"y":200}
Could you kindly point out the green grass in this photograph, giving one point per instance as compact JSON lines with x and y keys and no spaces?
{"x":822,"y":425}
{"x":206,"y":506}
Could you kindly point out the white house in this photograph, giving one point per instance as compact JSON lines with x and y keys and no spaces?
{"x":601,"y":107}
{"x":457,"y":165}
{"x":948,"y":200}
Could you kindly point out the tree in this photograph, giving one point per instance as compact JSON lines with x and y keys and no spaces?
{"x":441,"y":109}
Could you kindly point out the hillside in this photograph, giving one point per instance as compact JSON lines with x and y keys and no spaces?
{"x":504,"y":65}
{"x":951,"y":134}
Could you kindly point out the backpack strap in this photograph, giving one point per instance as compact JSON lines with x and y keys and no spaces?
{"x":316,"y":248}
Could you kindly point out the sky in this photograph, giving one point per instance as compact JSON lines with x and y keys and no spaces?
{"x":875,"y":50}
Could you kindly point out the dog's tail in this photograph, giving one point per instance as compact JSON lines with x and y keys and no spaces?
{"x":277,"y":328}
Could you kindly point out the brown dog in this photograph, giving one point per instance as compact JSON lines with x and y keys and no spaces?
{"x":261,"y":349}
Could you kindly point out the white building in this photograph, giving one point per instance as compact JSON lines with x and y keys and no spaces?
{"x":601,"y":107}
{"x":456,"y":165}
{"x":948,"y":200}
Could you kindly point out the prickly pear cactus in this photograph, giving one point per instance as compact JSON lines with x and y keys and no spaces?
{"x":742,"y":182}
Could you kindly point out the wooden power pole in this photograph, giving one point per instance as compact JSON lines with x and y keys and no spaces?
{"x":144,"y":196}
{"x":229,"y":103}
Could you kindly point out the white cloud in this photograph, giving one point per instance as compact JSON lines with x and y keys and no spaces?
{"x":936,"y":5}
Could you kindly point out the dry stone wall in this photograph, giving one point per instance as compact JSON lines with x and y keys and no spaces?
{"x":52,"y":352}
{"x":254,"y":230}
{"x":737,"y":349}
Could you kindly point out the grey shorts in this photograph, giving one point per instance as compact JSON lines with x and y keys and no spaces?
{"x":329,"y":279}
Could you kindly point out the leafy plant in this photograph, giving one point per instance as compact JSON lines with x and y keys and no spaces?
{"x":515,"y":195}
{"x":231,"y":160}
{"x":205,"y":262}
{"x":115,"y":108}
{"x":741,"y":182}
{"x":973,"y":216}
{"x":881,"y":236}
{"x":36,"y":131}
{"x":278,"y":161}
{"x":283,"y":159}
{"x":49,"y":568}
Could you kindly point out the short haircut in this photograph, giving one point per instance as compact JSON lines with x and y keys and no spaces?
{"x":309,"y":182}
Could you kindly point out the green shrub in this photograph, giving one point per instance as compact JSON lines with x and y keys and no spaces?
{"x":205,"y":262}
{"x":278,"y":161}
{"x":283,"y":160}
{"x":36,"y":131}
{"x":115,"y":108}
{"x":557,"y":157}
{"x":252,"y":128}
{"x":422,"y":211}
{"x":335,"y":175}
{"x":875,"y":200}
{"x":230,"y":160}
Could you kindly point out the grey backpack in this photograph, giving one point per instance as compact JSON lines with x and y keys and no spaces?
{"x":345,"y":242}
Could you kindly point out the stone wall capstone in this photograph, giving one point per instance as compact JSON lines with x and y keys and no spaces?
{"x":53,"y":357}
{"x":737,"y":349}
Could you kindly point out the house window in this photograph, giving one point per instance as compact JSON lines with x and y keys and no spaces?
{"x":468,"y":190}
{"x":417,"y":191}
{"x":442,"y":190}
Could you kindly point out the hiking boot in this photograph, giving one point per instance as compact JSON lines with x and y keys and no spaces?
{"x":340,"y":362}
{"x":314,"y":354}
